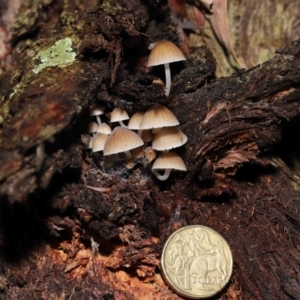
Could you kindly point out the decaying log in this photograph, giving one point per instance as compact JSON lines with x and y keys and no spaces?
{"x":61,"y":238}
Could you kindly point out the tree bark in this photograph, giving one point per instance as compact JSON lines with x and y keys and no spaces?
{"x":61,"y":238}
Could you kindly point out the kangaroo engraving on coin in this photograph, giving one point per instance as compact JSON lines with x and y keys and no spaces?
{"x":196,"y":262}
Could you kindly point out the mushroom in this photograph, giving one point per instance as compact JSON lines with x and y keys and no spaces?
{"x":97,"y":111}
{"x":169,"y":138}
{"x":138,"y":152}
{"x":104,"y":128}
{"x":167,"y":161}
{"x":119,"y":115}
{"x":150,"y":154}
{"x":98,"y":142}
{"x":135,"y":121}
{"x":147,"y":136}
{"x":122,"y":140}
{"x":157,"y":117}
{"x":164,"y":53}
{"x":92,"y":128}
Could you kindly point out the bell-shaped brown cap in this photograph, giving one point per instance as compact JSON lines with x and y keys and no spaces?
{"x":138,"y":152}
{"x":150,"y":154}
{"x":97,"y":111}
{"x":92,"y":128}
{"x":98,"y":142}
{"x":169,"y":160}
{"x":164,"y":52}
{"x":104,"y":128}
{"x":158,"y":116}
{"x":121,"y":140}
{"x":135,"y":121}
{"x":118,"y":115}
{"x":168,"y":138}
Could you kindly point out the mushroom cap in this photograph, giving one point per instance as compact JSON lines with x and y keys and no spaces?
{"x":97,"y":111}
{"x":118,"y":114}
{"x":168,"y":138}
{"x":92,"y":127}
{"x":135,"y":120}
{"x":164,"y":52}
{"x":104,"y":128}
{"x":169,"y":160}
{"x":98,"y":142}
{"x":150,"y":154}
{"x":121,"y":139}
{"x":158,"y":116}
{"x":138,"y":152}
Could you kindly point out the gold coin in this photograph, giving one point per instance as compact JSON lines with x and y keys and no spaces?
{"x":196,"y":262}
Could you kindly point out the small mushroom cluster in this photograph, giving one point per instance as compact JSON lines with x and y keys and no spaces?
{"x":158,"y":126}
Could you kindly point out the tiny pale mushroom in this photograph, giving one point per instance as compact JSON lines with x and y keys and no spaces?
{"x":92,"y":128}
{"x":104,"y":128}
{"x":163,"y":53}
{"x":150,"y":154}
{"x":135,"y":122}
{"x":98,"y":142}
{"x":119,"y":115}
{"x":169,"y":138}
{"x":157,"y":117}
{"x":138,"y":152}
{"x":122,"y":140}
{"x":97,"y":111}
{"x":167,"y":161}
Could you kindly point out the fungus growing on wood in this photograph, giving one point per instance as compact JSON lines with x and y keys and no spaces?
{"x":168,"y":138}
{"x":104,"y":128}
{"x":98,"y":142}
{"x":135,"y":122}
{"x":119,"y":115}
{"x":157,"y":117}
{"x":122,"y":140}
{"x":138,"y":152}
{"x":164,"y":53}
{"x":150,"y":154}
{"x":97,"y":112}
{"x":167,"y":161}
{"x":92,"y":128}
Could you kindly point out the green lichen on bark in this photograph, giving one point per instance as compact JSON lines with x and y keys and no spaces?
{"x":27,"y":17}
{"x":60,"y":54}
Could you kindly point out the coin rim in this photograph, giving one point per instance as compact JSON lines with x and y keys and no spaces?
{"x":166,"y":276}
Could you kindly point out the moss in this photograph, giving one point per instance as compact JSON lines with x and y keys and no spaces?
{"x":110,"y":8}
{"x":27,"y":17}
{"x":60,"y":54}
{"x":67,"y":18}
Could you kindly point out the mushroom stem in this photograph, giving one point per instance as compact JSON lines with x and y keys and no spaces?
{"x":122,"y":124}
{"x":163,"y":177}
{"x":129,"y":164}
{"x":98,"y":120}
{"x":168,"y":79}
{"x":128,"y":154}
{"x":156,"y":130}
{"x":140,"y":132}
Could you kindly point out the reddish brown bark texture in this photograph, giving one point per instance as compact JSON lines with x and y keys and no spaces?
{"x":62,"y":240}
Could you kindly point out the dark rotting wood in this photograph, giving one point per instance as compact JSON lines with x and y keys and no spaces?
{"x":61,"y":237}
